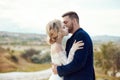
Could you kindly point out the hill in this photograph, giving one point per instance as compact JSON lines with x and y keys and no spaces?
{"x":21,"y":38}
{"x":105,"y":38}
{"x":40,"y":39}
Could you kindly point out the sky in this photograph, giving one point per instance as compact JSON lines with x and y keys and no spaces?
{"x":97,"y":17}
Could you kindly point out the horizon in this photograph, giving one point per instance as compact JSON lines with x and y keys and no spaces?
{"x":31,"y":16}
{"x":65,"y":36}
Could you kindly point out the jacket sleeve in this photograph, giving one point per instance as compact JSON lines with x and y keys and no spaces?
{"x":78,"y":61}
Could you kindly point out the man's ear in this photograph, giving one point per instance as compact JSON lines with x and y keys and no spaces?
{"x":75,"y":21}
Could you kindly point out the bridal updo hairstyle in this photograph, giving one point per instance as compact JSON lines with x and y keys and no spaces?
{"x":53,"y":29}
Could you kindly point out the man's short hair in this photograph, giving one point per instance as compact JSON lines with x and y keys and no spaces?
{"x":72,"y":15}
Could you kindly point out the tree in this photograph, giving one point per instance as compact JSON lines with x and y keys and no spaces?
{"x":108,"y":58}
{"x":29,"y":53}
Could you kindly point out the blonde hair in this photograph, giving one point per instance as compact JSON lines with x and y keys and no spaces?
{"x":52,"y":29}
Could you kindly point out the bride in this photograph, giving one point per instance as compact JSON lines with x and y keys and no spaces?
{"x":56,"y":31}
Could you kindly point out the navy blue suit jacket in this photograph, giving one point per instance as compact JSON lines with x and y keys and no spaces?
{"x":81,"y":68}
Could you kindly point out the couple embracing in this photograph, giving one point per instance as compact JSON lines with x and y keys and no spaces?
{"x":75,"y":62}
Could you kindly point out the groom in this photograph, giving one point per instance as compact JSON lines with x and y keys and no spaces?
{"x":81,"y":68}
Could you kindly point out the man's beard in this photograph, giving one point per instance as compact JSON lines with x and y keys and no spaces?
{"x":70,"y":30}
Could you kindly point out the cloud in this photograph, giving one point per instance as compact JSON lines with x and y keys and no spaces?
{"x":33,"y":15}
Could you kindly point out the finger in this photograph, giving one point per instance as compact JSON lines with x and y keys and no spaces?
{"x":53,"y":64}
{"x":81,"y":44}
{"x":75,"y":41}
{"x":81,"y":47}
{"x":80,"y":41}
{"x":52,"y":67}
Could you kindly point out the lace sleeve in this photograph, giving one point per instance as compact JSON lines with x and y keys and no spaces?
{"x":70,"y":56}
{"x":64,"y":60}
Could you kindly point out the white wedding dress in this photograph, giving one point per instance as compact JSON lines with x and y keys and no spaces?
{"x":60,"y":59}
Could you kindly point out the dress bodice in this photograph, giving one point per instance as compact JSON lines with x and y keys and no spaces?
{"x":59,"y":58}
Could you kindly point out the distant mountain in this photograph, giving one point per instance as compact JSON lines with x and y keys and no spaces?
{"x":38,"y":39}
{"x":105,"y":38}
{"x":21,"y":38}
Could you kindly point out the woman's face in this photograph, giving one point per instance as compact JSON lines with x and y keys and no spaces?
{"x":64,"y":30}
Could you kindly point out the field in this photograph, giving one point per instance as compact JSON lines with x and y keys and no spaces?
{"x":7,"y":64}
{"x":12,"y":48}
